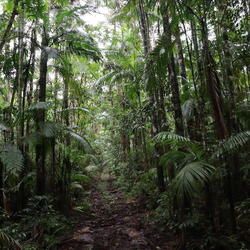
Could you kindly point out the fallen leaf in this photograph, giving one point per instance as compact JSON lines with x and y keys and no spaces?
{"x":85,"y":230}
{"x":133,"y":234}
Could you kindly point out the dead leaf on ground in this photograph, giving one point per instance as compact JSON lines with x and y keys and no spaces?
{"x":85,"y":230}
{"x":134,"y":233}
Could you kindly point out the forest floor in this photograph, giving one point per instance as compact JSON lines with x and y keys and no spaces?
{"x":114,"y":223}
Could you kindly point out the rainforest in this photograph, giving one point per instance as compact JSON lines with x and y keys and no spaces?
{"x":125,"y":124}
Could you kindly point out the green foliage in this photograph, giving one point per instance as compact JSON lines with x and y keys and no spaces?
{"x":40,"y":219}
{"x":83,"y":142}
{"x":191,"y":178}
{"x":4,"y":126}
{"x":75,"y":109}
{"x":81,"y":44}
{"x":76,"y":185}
{"x":233,"y":143}
{"x":82,"y":178}
{"x":170,"y":137}
{"x":7,"y":241}
{"x":197,"y":59}
{"x":39,"y":106}
{"x":12,"y":159}
{"x":188,"y":108}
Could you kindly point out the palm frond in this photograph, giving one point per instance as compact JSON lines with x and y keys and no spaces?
{"x":81,"y":177}
{"x":39,"y":105}
{"x":69,"y":13}
{"x":233,"y":143}
{"x":172,"y":157}
{"x":53,"y":53}
{"x":122,"y":75}
{"x":7,"y":240}
{"x":187,"y":109}
{"x":104,"y":80}
{"x":50,"y":129}
{"x":191,"y":178}
{"x":243,"y":113}
{"x":167,"y":136}
{"x":85,"y":144}
{"x":4,"y":126}
{"x":156,"y":62}
{"x":126,"y":12}
{"x":75,"y":109}
{"x":47,"y":130}
{"x":76,"y":185}
{"x":161,"y":47}
{"x":12,"y":159}
{"x":82,"y":45}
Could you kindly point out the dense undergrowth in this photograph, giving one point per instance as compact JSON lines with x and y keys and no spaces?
{"x":199,"y":234}
{"x":195,"y":225}
{"x":41,"y":225}
{"x":157,"y":94}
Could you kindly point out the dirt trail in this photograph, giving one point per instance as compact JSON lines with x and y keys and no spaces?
{"x":113,"y":223}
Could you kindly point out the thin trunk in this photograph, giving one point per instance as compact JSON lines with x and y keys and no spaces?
{"x":143,"y":136}
{"x":181,"y":59}
{"x":30,"y":79}
{"x":199,"y":77}
{"x":144,"y":27}
{"x":214,"y":89}
{"x":9,"y":26}
{"x":20,"y":81}
{"x":173,"y":76}
{"x":66,"y":160}
{"x":1,"y":185}
{"x":53,"y":161}
{"x":40,"y":118}
{"x":153,"y":96}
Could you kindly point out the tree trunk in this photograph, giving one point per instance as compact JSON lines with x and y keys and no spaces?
{"x":9,"y":26}
{"x":214,"y":89}
{"x":40,"y":118}
{"x":66,"y":199}
{"x":173,"y":75}
{"x":1,"y":185}
{"x":153,"y":96}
